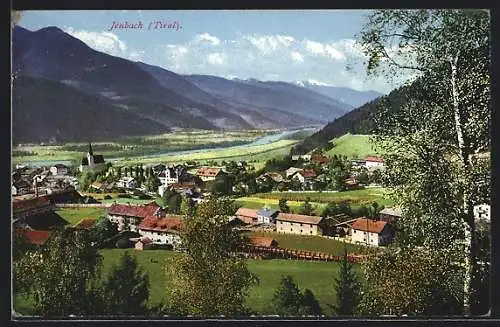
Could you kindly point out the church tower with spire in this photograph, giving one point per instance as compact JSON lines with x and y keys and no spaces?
{"x":90,"y":156}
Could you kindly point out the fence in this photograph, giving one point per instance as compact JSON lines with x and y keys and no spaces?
{"x":83,"y":205}
{"x":261,"y":252}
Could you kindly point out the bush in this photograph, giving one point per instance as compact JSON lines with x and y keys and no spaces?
{"x":123,"y":243}
{"x":107,"y":197}
{"x":124,"y":195}
{"x":144,"y":197}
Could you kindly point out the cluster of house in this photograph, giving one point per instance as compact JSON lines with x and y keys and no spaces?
{"x":376,"y":232}
{"x":150,"y":221}
{"x":43,"y":180}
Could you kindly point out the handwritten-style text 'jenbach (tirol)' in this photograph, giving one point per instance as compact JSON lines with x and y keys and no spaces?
{"x":140,"y":25}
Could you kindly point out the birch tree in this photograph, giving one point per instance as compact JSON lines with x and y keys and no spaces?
{"x":442,"y":124}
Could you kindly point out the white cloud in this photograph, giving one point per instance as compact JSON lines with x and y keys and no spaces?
{"x":216,"y":58}
{"x":136,"y":55}
{"x":106,"y":42}
{"x":322,"y":49}
{"x":296,"y":56}
{"x":205,"y":37}
{"x":270,"y":43}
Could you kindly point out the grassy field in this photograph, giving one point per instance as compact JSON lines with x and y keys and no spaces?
{"x":257,"y":203}
{"x":352,"y":146}
{"x":356,"y":197}
{"x":317,"y":276}
{"x":74,"y":215}
{"x":310,"y":243}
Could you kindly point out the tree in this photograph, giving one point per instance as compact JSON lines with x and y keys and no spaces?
{"x":310,"y":305}
{"x":363,"y":177}
{"x":86,"y":180}
{"x":412,"y":282}
{"x":61,"y":274}
{"x":126,"y":288}
{"x":441,"y":125}
{"x":223,"y":185}
{"x":306,"y":208}
{"x":347,"y":288}
{"x":153,"y":183}
{"x":208,"y":279}
{"x":284,"y":208}
{"x":102,"y":230}
{"x":187,"y":207}
{"x":287,"y":299}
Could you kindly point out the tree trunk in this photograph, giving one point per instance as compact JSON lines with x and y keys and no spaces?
{"x":467,"y":209}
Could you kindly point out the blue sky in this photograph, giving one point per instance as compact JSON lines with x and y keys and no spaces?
{"x":286,"y":45}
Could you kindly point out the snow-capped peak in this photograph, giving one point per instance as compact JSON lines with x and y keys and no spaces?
{"x":319,"y":83}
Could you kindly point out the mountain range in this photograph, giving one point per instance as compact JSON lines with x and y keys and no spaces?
{"x":64,"y":90}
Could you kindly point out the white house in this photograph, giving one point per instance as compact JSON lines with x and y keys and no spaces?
{"x":20,"y":187}
{"x":291,"y":171}
{"x":169,"y":176}
{"x":299,"y":224}
{"x":372,"y":163}
{"x":370,"y":232}
{"x":127,"y":182}
{"x":162,"y":230}
{"x":209,"y":173}
{"x":305,"y":157}
{"x":267,"y":216}
{"x":128,"y":216}
{"x":59,"y":170}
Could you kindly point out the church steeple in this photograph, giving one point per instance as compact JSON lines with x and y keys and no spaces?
{"x":90,"y":149}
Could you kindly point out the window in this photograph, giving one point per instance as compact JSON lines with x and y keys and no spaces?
{"x":300,"y":225}
{"x":301,"y":231}
{"x":310,"y":232}
{"x":291,"y":229}
{"x":311,"y":226}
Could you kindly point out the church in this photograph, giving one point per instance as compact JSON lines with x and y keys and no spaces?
{"x":92,"y":162}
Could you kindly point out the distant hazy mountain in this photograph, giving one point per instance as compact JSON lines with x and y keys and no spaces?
{"x":148,"y":98}
{"x":347,"y":95}
{"x":272,"y":95}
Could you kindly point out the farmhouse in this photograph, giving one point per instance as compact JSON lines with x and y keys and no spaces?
{"x":372,"y":162}
{"x":371,"y":232}
{"x":305,"y":157}
{"x":35,"y":214}
{"x":161,"y":230}
{"x":299,"y":224}
{"x":59,"y":170}
{"x":92,"y":162}
{"x":30,"y":207}
{"x":306,"y":177}
{"x":390,"y":215}
{"x":169,"y":176}
{"x":129,"y":216}
{"x":267,"y":216}
{"x":209,"y":173}
{"x":248,"y":216}
{"x":127,"y":182}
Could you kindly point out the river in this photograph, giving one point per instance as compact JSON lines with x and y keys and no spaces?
{"x":260,"y":141}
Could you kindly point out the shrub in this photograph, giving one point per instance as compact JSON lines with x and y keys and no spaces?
{"x":123,"y":243}
{"x":124,"y":195}
{"x":144,"y":197}
{"x":107,"y":197}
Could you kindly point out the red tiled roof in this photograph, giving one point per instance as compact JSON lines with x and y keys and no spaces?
{"x":262,"y":241}
{"x":37,"y":237}
{"x":368,"y":225}
{"x":320,"y":159}
{"x":208,"y":172}
{"x":308,"y":173}
{"x":86,"y":223}
{"x":299,"y":218}
{"x":183,"y":186}
{"x":133,"y":210}
{"x":245,"y":212}
{"x":163,"y":224}
{"x":19,"y":205}
{"x":374,"y":159}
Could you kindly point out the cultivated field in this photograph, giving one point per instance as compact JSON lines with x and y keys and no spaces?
{"x":354,"y":198}
{"x":352,"y":146}
{"x":74,"y":215}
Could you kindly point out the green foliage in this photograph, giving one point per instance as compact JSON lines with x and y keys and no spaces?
{"x":60,"y":274}
{"x":413,"y":282}
{"x":208,"y":279}
{"x":152,"y":183}
{"x":283,"y":206}
{"x":126,"y":288}
{"x":306,"y":208}
{"x":339,"y":169}
{"x":102,"y":230}
{"x":289,"y":301}
{"x":347,"y":288}
{"x":223,"y":185}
